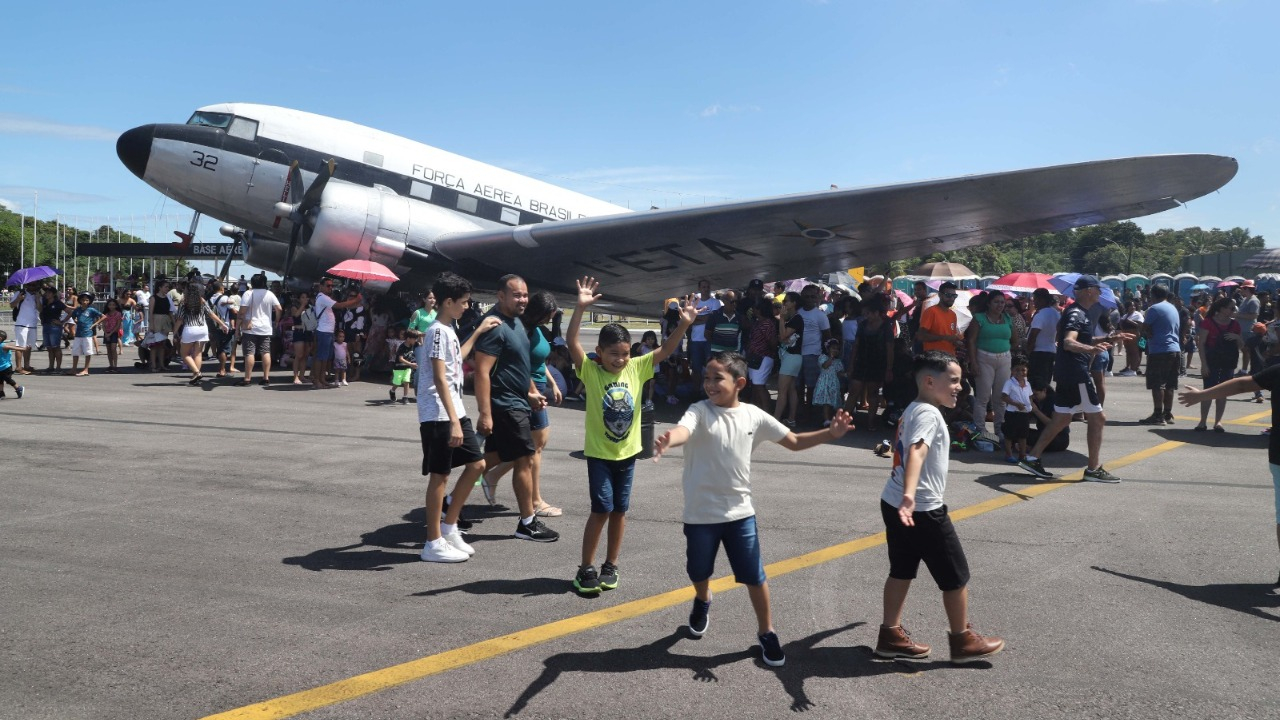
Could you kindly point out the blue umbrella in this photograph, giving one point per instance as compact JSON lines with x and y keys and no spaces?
{"x":32,"y":274}
{"x":1066,"y":284}
{"x":1199,"y":287}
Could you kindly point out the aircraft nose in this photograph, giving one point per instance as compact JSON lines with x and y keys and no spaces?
{"x":134,"y":149}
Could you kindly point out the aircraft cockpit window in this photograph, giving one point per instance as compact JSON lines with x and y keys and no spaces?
{"x":210,"y":119}
{"x":243,"y":128}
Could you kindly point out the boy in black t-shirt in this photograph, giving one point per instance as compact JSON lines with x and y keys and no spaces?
{"x":1266,"y":379}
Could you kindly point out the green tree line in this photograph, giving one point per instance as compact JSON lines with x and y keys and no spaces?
{"x":1106,"y":249}
{"x":48,"y":234}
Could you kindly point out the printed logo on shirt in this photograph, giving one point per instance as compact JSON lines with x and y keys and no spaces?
{"x":619,"y":411}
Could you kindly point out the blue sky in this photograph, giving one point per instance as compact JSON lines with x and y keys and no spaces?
{"x":659,"y":103}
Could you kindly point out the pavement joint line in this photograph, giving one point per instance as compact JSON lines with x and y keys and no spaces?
{"x":386,"y":678}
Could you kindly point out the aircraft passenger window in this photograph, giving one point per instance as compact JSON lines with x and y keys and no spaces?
{"x":210,"y":119}
{"x":466,"y":203}
{"x":243,"y":128}
{"x":373,"y":158}
{"x":510,"y":216}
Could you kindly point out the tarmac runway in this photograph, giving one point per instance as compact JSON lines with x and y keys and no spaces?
{"x":179,"y":552}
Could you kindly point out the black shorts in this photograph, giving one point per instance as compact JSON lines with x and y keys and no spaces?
{"x":1162,"y":371}
{"x":511,"y":438}
{"x":1040,"y":369}
{"x":438,"y":457}
{"x":1016,"y":425}
{"x":933,"y":540}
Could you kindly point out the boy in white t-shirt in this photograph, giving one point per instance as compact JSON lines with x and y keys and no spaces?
{"x":916,"y":522}
{"x":448,"y":440}
{"x":721,"y":433}
{"x":1018,"y":405}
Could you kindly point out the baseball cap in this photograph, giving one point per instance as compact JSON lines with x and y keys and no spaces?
{"x":1087,"y":281}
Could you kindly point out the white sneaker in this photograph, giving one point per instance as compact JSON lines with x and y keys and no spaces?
{"x":457,"y":543}
{"x":344,"y":382}
{"x":439,"y":550}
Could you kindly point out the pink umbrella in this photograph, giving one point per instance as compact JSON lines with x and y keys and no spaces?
{"x":1023,"y":282}
{"x":363,"y":270}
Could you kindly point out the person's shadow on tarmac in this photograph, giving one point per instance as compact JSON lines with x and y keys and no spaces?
{"x":1248,"y":598}
{"x":804,"y":661}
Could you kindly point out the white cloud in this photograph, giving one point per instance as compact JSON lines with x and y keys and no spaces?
{"x":717,"y":109}
{"x":11,"y":124}
{"x":10,"y":205}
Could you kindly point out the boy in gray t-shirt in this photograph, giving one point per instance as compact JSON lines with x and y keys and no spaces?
{"x":917,"y":526}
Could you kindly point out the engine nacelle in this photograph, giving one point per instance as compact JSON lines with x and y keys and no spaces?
{"x":362,"y":222}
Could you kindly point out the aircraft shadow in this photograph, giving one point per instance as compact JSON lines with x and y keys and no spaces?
{"x":523,"y":587}
{"x":381,"y":549}
{"x":804,"y":661}
{"x":1247,"y":598}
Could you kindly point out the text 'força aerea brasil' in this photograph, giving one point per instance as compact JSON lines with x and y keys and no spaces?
{"x":506,"y":197}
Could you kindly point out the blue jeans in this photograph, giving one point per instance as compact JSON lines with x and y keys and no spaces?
{"x":610,"y":482}
{"x":741,"y":544}
{"x":699,"y":354}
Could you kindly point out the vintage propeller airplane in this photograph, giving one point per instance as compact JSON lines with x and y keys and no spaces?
{"x":304,"y":192}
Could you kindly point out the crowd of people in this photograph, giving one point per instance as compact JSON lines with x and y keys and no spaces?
{"x":902,"y":362}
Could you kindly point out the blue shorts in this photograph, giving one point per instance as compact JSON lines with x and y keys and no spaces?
{"x":789,"y":364}
{"x":610,"y":484}
{"x":52,"y":334}
{"x":324,"y":346}
{"x":538,"y":419}
{"x":741,"y":544}
{"x":1100,"y":361}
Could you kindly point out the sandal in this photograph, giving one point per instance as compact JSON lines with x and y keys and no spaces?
{"x":242,"y":383}
{"x":195,"y":380}
{"x":548,"y":511}
{"x":1200,"y":428}
{"x":1219,"y":428}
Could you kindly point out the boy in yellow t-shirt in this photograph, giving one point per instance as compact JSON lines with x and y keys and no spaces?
{"x":613,"y":382}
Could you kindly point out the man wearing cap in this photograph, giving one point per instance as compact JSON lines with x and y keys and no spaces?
{"x":1075,"y":390}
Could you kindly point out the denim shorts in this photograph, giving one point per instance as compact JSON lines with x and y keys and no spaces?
{"x":741,"y":544}
{"x":1100,"y":361}
{"x":539,"y":419}
{"x":324,"y":346}
{"x":610,"y":484}
{"x":52,"y":335}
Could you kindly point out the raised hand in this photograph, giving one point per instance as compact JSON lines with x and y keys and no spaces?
{"x":660,"y":445}
{"x":689,"y":309}
{"x":841,"y":423}
{"x":587,"y":294}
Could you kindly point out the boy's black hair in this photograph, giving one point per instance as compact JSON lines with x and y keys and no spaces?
{"x":450,"y":286}
{"x":411,"y":334}
{"x":613,"y":333}
{"x":3,"y":336}
{"x":732,"y":361}
{"x":933,"y":362}
{"x":1019,"y":361}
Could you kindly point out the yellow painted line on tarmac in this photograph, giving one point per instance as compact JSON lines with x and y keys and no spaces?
{"x":1250,"y":420}
{"x":371,"y":682}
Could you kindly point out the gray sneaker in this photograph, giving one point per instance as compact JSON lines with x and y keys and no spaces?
{"x":1100,"y":476}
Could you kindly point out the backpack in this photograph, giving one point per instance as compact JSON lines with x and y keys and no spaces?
{"x":309,"y":320}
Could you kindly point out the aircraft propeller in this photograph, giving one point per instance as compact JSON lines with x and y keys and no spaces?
{"x":301,"y":212}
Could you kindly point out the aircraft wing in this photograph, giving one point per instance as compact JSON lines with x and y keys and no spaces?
{"x":642,"y":258}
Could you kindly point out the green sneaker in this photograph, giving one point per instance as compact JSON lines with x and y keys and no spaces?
{"x":588,"y":581}
{"x":608,"y":576}
{"x":1100,"y":476}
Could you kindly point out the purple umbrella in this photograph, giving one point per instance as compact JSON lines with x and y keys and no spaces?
{"x":32,"y":274}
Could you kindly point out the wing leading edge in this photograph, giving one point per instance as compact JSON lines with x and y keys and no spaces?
{"x":644,"y":257}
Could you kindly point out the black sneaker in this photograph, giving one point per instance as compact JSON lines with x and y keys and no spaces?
{"x":588,"y":581}
{"x":536,"y":531}
{"x":771,"y":650}
{"x":1035,"y":468}
{"x":1100,"y":476}
{"x":698,"y":617}
{"x":608,"y":576}
{"x":444,"y":510}
{"x":392,"y":394}
{"x":1152,"y":419}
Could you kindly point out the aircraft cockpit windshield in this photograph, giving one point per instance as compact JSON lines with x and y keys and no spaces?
{"x":235,"y":125}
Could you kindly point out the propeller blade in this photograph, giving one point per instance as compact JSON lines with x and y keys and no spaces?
{"x":311,"y":198}
{"x":293,"y":245}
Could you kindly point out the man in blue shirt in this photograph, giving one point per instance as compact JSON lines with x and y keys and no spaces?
{"x":1075,"y":391}
{"x":1164,"y":349}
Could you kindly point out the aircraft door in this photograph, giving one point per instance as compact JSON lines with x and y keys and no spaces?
{"x":268,"y":185}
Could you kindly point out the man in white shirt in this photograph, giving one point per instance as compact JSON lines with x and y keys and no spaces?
{"x":1042,"y":339}
{"x":324,"y":307}
{"x":699,"y":344}
{"x":25,"y":326}
{"x":142,"y":296}
{"x":817,"y":330}
{"x":258,"y":314}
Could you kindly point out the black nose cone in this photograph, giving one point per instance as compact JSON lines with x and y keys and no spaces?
{"x":134,"y":149}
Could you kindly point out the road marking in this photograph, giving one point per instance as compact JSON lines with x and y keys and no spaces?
{"x":389,"y":677}
{"x":1250,"y":420}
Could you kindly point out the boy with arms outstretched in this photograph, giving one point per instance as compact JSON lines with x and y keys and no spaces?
{"x":721,"y":433}
{"x":614,"y":382}
{"x":916,"y":521}
{"x":448,"y":440}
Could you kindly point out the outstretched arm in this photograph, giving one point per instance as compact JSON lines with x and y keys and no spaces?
{"x":910,"y":479}
{"x":688,"y":313}
{"x":587,"y":296}
{"x":1190,"y":396}
{"x":840,"y":425}
{"x":675,"y":437}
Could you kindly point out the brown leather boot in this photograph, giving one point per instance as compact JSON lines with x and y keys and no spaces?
{"x":894,"y":642}
{"x":969,"y":646}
